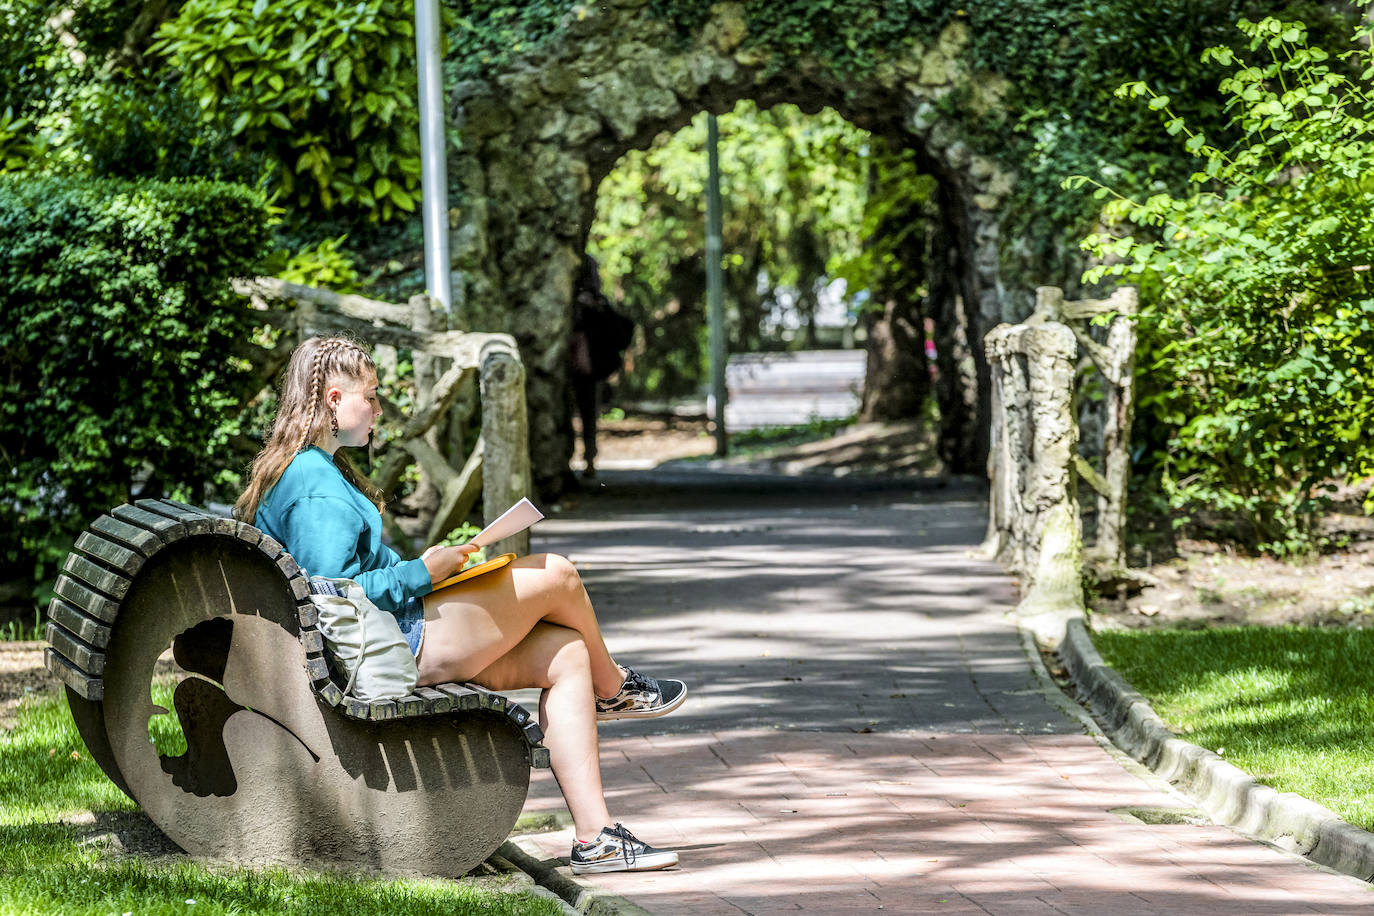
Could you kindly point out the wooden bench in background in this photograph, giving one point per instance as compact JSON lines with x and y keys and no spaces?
{"x":792,"y":388}
{"x":280,"y":765}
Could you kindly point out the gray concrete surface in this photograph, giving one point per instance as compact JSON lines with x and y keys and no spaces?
{"x":866,"y":730}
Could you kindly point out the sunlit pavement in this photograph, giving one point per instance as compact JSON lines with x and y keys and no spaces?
{"x":865,"y":731}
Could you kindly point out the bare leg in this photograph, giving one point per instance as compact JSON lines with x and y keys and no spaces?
{"x":532,"y":625}
{"x":470,"y":626}
{"x":585,"y":391}
{"x":556,"y":658}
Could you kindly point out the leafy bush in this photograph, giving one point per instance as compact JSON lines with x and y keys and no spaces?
{"x":148,"y":128}
{"x":116,"y":349}
{"x":323,"y":264}
{"x":326,"y":89}
{"x":1263,"y":307}
{"x":26,"y":59}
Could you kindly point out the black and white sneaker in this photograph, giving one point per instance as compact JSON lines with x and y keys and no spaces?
{"x":642,"y":697}
{"x":617,"y":849}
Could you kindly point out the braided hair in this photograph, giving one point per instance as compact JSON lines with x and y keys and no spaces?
{"x":303,"y":419}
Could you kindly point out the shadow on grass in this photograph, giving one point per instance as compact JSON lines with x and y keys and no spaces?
{"x":51,"y":868}
{"x":1294,"y":706}
{"x":71,"y":842}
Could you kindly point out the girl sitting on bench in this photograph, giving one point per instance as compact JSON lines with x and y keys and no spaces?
{"x":529,"y":624}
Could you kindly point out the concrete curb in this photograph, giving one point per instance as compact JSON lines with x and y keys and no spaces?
{"x":1228,"y":795}
{"x":524,"y":881}
{"x":581,"y":896}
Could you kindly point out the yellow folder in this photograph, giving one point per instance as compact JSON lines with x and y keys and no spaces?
{"x":472,"y":572}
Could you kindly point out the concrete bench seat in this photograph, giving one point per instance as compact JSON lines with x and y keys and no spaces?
{"x":280,"y":765}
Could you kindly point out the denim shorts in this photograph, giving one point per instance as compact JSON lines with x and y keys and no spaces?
{"x":411,"y":617}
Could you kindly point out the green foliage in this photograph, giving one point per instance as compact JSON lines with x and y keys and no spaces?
{"x":768,"y":438}
{"x":461,"y":535}
{"x":116,"y":349}
{"x":17,"y":145}
{"x":898,"y":208}
{"x":326,"y":89}
{"x":1286,"y":704}
{"x":795,"y":187}
{"x":1262,"y":306}
{"x":324,"y":264}
{"x":27,"y":58}
{"x":489,"y":35}
{"x":147,"y":128}
{"x":20,"y":630}
{"x":850,"y":36}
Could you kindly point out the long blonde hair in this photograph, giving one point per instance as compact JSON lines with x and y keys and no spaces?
{"x":300,"y":421}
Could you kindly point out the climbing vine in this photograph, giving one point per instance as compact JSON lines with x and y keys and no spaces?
{"x":1061,"y":62}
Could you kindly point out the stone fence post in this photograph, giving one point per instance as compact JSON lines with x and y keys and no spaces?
{"x":1115,"y":360}
{"x":505,"y":438}
{"x":1033,"y":526}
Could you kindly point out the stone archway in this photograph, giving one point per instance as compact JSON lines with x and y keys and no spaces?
{"x":540,"y":134}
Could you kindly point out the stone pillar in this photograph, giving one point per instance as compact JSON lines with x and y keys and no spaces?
{"x":1115,"y":360}
{"x":1055,"y":556}
{"x":1034,"y":526}
{"x":425,"y":499}
{"x":505,"y":437}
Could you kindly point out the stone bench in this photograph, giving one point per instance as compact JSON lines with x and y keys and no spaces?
{"x":280,"y":765}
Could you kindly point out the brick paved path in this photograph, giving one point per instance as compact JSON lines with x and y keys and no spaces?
{"x":865,"y":730}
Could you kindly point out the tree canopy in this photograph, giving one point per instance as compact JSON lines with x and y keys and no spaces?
{"x":300,"y":116}
{"x":803,"y":207}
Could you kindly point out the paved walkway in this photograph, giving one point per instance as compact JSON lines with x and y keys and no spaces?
{"x":865,"y":730}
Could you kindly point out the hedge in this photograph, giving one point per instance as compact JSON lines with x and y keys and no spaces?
{"x":115,"y":350}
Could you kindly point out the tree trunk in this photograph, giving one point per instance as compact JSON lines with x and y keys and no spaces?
{"x":897,"y":378}
{"x":963,"y":384}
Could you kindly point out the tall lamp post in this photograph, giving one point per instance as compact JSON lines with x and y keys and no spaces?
{"x":433,"y":158}
{"x":715,"y":297}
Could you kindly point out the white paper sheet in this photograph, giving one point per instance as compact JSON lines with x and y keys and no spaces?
{"x":513,"y":521}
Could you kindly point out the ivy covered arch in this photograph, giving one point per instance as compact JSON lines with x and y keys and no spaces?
{"x":546,"y":120}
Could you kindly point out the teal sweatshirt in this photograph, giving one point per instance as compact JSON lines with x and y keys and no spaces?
{"x":331,"y":529}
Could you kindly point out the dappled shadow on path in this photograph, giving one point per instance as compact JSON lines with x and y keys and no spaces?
{"x":987,"y":824}
{"x":865,"y":728}
{"x":824,"y":613}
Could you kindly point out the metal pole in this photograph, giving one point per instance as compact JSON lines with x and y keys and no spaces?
{"x":715,"y":298}
{"x":433,"y":158}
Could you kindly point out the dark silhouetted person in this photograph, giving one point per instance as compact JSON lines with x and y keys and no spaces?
{"x":600,"y":335}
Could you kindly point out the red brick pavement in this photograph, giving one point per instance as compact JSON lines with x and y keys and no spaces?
{"x":773,"y":821}
{"x":831,"y":613}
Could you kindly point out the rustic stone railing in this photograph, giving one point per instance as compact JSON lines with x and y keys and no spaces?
{"x":1034,"y":524}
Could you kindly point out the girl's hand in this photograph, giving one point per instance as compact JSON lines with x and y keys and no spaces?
{"x":443,"y":562}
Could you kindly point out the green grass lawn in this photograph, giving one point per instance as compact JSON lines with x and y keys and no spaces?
{"x":1291,"y":706}
{"x":52,"y":795}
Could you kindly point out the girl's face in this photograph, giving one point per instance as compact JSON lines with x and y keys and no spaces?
{"x":357,"y":407}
